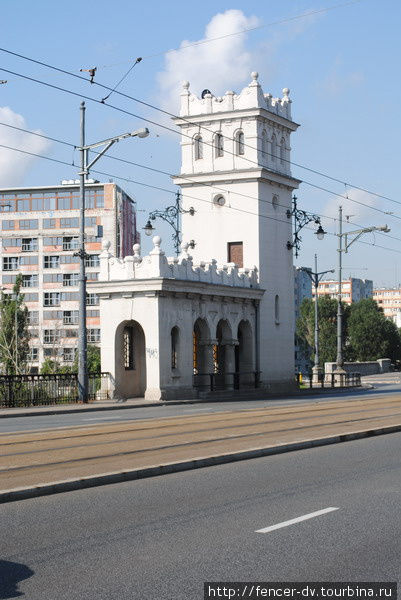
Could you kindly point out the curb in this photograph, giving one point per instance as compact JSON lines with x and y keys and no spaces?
{"x":68,"y":485}
{"x":64,"y":411}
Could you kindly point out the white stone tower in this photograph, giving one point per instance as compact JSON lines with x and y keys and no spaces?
{"x":236,"y":174}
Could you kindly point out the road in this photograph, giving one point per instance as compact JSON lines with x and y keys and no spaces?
{"x":384,"y":384}
{"x":161,"y":538}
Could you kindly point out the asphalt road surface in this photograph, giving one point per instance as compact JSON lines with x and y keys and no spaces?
{"x":383,"y":384}
{"x":161,"y":538}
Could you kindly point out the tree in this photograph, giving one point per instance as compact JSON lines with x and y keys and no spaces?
{"x":327,"y":312}
{"x":370,"y":334}
{"x":14,"y":334}
{"x":93,"y":359}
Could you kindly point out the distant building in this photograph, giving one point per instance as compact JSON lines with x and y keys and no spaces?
{"x":352,"y":289}
{"x":389,"y":299}
{"x":39,"y":239}
{"x":302,"y":290}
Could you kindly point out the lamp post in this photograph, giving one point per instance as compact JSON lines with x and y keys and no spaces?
{"x":83,"y":174}
{"x":316,"y":278}
{"x":356,"y":234}
{"x":171,"y":215}
{"x":302,"y":218}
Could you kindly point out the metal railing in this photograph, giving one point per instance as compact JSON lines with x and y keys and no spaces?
{"x":226,"y":381}
{"x":45,"y":390}
{"x":330,"y":380}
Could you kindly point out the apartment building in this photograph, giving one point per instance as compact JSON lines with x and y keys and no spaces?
{"x":389,"y":299}
{"x":352,"y":289}
{"x":39,"y":238}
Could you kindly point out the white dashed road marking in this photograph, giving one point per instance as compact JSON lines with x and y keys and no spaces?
{"x":297,"y":520}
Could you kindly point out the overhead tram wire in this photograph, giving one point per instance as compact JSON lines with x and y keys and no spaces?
{"x":171,"y":175}
{"x":59,"y":88}
{"x":126,"y":179}
{"x":147,"y":104}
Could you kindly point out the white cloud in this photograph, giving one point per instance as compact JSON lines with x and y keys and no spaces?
{"x":219,"y":65}
{"x":14,"y":165}
{"x":355,"y":206}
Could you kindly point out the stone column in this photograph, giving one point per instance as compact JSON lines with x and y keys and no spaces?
{"x":229,"y":361}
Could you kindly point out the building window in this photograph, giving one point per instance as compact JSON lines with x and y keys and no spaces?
{"x":51,"y":262}
{"x":198,"y":147}
{"x":264,"y":146}
{"x":71,"y":333}
{"x":239,"y":143}
{"x":50,"y":352}
{"x":282,"y":151}
{"x":29,"y":224}
{"x":276,"y":310}
{"x":70,"y":279}
{"x":128,"y":339}
{"x":69,"y":222}
{"x":33,"y":354}
{"x":51,"y":336}
{"x":93,"y":336}
{"x":30,"y":281}
{"x":10,"y":263}
{"x":51,"y":299}
{"x":70,"y":243}
{"x":235,"y":253}
{"x":29,"y":244}
{"x":275,"y":202}
{"x":70,"y":317}
{"x":33,"y":317}
{"x":69,"y":354}
{"x":28,"y":260}
{"x":274,"y":148}
{"x":218,"y":145}
{"x":8,"y":225}
{"x":92,"y":299}
{"x":49,"y":223}
{"x":174,"y":347}
{"x":92,"y":260}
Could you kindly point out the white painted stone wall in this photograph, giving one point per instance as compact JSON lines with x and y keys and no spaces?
{"x":256,"y":189}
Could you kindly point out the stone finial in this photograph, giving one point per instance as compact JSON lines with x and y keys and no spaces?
{"x":106,"y":245}
{"x":185,"y":85}
{"x":254,"y":76}
{"x":286,"y":94}
{"x":137,"y":253}
{"x":156,"y":242}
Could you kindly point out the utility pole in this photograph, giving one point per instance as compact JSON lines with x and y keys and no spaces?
{"x":83,"y":174}
{"x":316,"y":278}
{"x":339,"y":371}
{"x":82,"y":342}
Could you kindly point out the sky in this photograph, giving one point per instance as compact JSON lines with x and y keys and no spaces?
{"x":341,"y":65}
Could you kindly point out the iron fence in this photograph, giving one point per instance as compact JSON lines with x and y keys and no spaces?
{"x":226,"y":381}
{"x":330,"y":380}
{"x":45,"y":390}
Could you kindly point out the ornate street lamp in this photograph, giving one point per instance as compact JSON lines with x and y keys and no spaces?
{"x":302,"y":218}
{"x":171,"y":215}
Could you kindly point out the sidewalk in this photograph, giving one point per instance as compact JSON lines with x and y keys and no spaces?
{"x":33,"y":411}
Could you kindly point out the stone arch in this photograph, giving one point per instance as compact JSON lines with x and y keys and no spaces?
{"x":244,"y":353}
{"x":239,"y":140}
{"x":201,"y":347}
{"x":274,"y":148}
{"x":282,"y":151}
{"x":130,"y":360}
{"x":224,"y":360}
{"x":175,"y":347}
{"x":198,"y":147}
{"x":264,"y":146}
{"x":218,"y":144}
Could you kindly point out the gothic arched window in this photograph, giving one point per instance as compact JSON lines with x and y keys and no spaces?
{"x":274,"y":148}
{"x":198,"y":147}
{"x":239,"y":143}
{"x":277,"y":310}
{"x":128,"y":339}
{"x":282,"y":150}
{"x":264,"y":145}
{"x":218,"y":145}
{"x":174,"y":347}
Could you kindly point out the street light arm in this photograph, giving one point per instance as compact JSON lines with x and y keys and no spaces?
{"x":99,"y":155}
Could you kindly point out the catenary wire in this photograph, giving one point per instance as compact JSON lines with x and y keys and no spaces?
{"x":174,"y":131}
{"x":316,"y":172}
{"x":170,"y":175}
{"x":171,"y":192}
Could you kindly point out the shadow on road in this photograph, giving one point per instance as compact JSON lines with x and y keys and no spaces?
{"x":11,"y":574}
